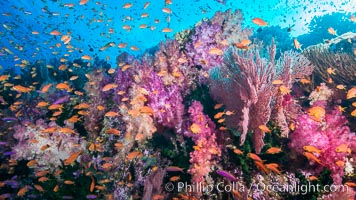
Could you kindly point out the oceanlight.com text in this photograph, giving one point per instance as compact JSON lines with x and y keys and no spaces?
{"x":278,"y":188}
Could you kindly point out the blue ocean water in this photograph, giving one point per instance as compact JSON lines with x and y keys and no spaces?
{"x":90,"y":24}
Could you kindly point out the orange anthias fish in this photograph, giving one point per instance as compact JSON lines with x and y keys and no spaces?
{"x":342,"y":148}
{"x":259,"y":21}
{"x":92,"y":185}
{"x":46,"y":88}
{"x":146,"y":5}
{"x":113,"y":131}
{"x":273,"y":150}
{"x":218,"y":106}
{"x":20,"y":88}
{"x":311,"y":156}
{"x":254,"y":157}
{"x":109,"y":86}
{"x":86,"y":57}
{"x":216,"y":51}
{"x":63,"y":86}
{"x":351,"y":93}
{"x":167,"y":30}
{"x":127,"y":5}
{"x":330,"y":70}
{"x":22,"y":191}
{"x":264,"y":128}
{"x":312,"y":149}
{"x":133,"y":155}
{"x":55,"y":32}
{"x":73,"y":157}
{"x":261,"y":166}
{"x":238,"y":151}
{"x":353,"y":18}
{"x":195,"y":128}
{"x":273,"y":167}
{"x":296,"y":43}
{"x":317,"y":113}
{"x":83,"y":2}
{"x":332,"y":31}
{"x":218,"y":115}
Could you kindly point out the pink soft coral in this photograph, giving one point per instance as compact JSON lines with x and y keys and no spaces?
{"x":326,"y":136}
{"x":202,"y":132}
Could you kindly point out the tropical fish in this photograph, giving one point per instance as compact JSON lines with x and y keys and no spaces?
{"x":351,"y":93}
{"x":226,"y":175}
{"x":195,"y":128}
{"x":39,"y":188}
{"x":109,"y":86}
{"x":273,"y":167}
{"x":111,"y":114}
{"x":63,"y":86}
{"x":69,"y":182}
{"x":312,"y":157}
{"x":216,"y":51}
{"x":313,"y":178}
{"x":330,"y":71}
{"x":342,"y":148}
{"x":127,"y":5}
{"x":332,"y":31}
{"x":350,"y":184}
{"x":353,"y":113}
{"x":264,"y":128}
{"x":134,"y":155}
{"x":284,"y":90}
{"x":261,"y":166}
{"x":218,"y":106}
{"x":167,"y":30}
{"x":55,"y":32}
{"x":218,"y":115}
{"x":20,"y":88}
{"x":273,"y":150}
{"x":113,"y":131}
{"x":86,"y":57}
{"x":73,"y":157}
{"x":277,"y":82}
{"x":167,"y":10}
{"x":238,"y":151}
{"x":146,"y":5}
{"x":22,"y":191}
{"x":312,"y":149}
{"x":296,"y":43}
{"x":317,"y":113}
{"x":254,"y":157}
{"x":340,"y":163}
{"x":259,"y":21}
{"x":174,"y":169}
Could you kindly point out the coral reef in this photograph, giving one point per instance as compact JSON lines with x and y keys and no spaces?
{"x":202,"y":131}
{"x":328,"y":136}
{"x":342,"y":61}
{"x":49,"y":144}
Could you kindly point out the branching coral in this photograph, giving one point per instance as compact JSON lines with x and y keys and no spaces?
{"x":244,"y":85}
